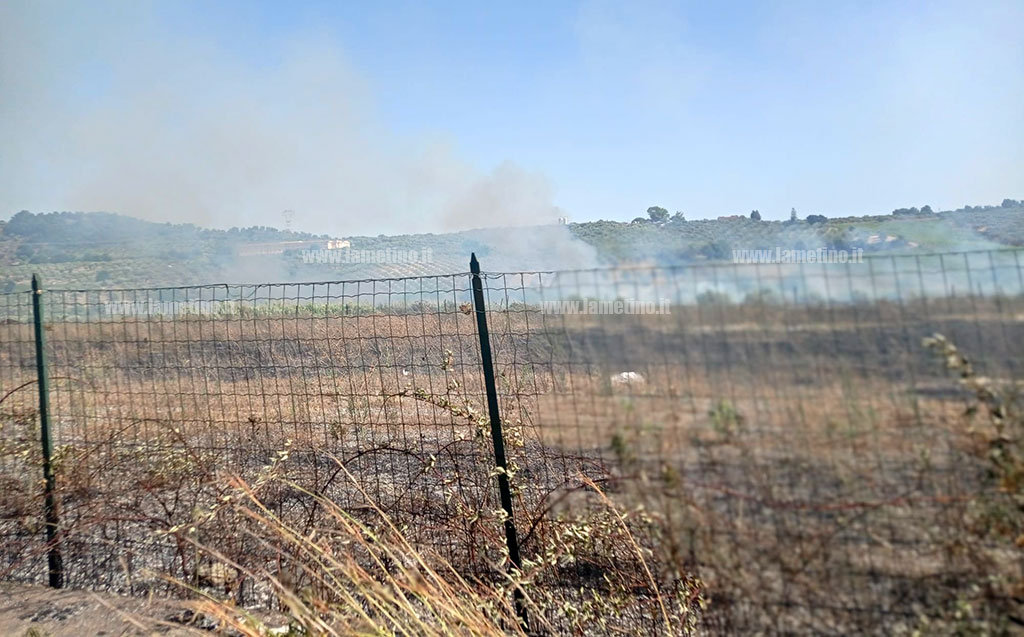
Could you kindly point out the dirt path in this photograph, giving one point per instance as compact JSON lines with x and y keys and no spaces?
{"x":36,"y":611}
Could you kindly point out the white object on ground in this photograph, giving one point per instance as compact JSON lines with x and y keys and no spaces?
{"x":627,"y":378}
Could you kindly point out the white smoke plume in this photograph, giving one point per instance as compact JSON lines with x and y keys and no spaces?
{"x":104,"y":107}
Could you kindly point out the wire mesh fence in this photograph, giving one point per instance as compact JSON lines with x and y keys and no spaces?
{"x":783,"y":429}
{"x":772,"y":437}
{"x":20,"y":451}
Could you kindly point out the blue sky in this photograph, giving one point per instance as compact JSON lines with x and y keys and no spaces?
{"x":413,"y":116}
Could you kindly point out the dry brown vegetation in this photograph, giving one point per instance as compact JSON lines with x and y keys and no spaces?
{"x":779,"y":469}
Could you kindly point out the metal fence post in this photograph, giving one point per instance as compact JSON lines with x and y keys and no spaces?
{"x":56,"y":563}
{"x":497,"y":436}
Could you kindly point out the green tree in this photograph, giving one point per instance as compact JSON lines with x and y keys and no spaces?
{"x":755,"y":215}
{"x":717,"y":250}
{"x":657,"y":214}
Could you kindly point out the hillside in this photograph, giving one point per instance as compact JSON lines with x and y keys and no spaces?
{"x":75,"y":249}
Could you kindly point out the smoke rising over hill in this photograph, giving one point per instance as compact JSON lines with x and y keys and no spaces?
{"x":114,"y":110}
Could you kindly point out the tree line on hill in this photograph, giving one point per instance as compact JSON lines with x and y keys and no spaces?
{"x":660,"y":215}
{"x":60,"y":237}
{"x":659,"y":236}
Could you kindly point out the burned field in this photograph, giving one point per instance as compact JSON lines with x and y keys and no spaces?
{"x":799,"y":467}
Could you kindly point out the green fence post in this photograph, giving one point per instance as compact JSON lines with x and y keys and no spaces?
{"x":497,"y":436}
{"x":56,"y":563}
